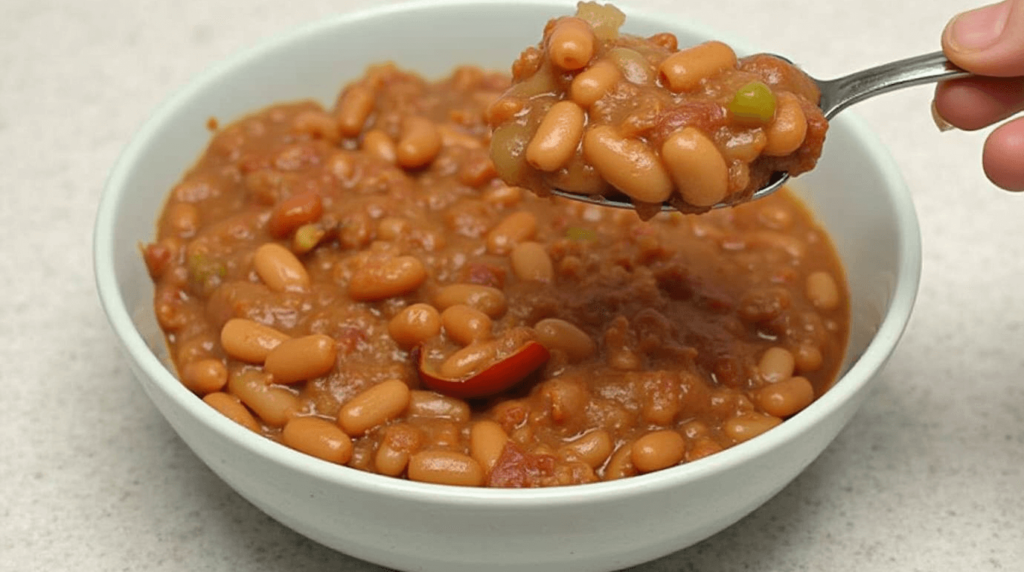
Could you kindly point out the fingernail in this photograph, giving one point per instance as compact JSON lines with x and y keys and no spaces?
{"x":978,"y":29}
{"x":939,"y":120}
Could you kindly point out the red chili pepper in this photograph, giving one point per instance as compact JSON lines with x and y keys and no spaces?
{"x":493,"y":379}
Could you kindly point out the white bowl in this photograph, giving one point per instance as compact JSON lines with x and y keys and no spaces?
{"x":857,"y":192}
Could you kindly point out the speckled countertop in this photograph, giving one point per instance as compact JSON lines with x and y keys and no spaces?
{"x":928,"y":476}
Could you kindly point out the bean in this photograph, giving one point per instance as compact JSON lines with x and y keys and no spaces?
{"x":571,"y":44}
{"x":414,"y":325}
{"x":390,"y":461}
{"x":786,"y":397}
{"x":317,"y":124}
{"x":786,"y":133}
{"x":514,"y":228}
{"x":808,"y":358}
{"x":341,"y":166}
{"x":386,"y":279}
{"x":776,"y":365}
{"x":620,"y":465}
{"x":487,"y":440}
{"x":378,"y":144}
{"x":431,"y":404}
{"x":279,"y":269}
{"x":392,"y":228}
{"x":685,"y":69}
{"x":477,"y":170}
{"x":490,"y":301}
{"x":229,"y":406}
{"x":696,"y":166}
{"x":557,"y":137}
{"x":702,"y":447}
{"x":822,"y":290}
{"x":293,"y":212}
{"x":420,"y":143}
{"x":319,"y":438}
{"x":665,"y":40}
{"x":628,"y":164}
{"x":301,"y":359}
{"x":205,"y":376}
{"x":745,"y":146}
{"x":556,"y":334}
{"x":746,"y":426}
{"x":468,"y":360}
{"x":657,"y":450}
{"x":693,"y":429}
{"x":374,"y":406}
{"x":249,"y":341}
{"x":398,"y":443}
{"x":503,"y":196}
{"x":594,"y":82}
{"x":530,"y":261}
{"x":445,"y":468}
{"x":592,"y":448}
{"x":354,"y":109}
{"x":274,"y":405}
{"x":466,"y":325}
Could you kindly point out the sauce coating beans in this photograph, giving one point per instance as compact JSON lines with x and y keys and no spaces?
{"x":694,"y":127}
{"x":358,"y":284}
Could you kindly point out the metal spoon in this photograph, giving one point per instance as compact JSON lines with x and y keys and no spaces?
{"x":836,"y":95}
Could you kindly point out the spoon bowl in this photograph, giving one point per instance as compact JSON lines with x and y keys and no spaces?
{"x":836,"y":95}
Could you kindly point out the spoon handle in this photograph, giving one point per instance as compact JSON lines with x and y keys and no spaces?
{"x":837,"y":94}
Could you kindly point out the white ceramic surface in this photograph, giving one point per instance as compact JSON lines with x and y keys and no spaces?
{"x":856,"y":192}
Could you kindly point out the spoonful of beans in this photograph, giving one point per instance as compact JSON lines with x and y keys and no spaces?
{"x":636,"y":122}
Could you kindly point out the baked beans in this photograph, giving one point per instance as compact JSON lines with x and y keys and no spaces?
{"x":356,"y":282}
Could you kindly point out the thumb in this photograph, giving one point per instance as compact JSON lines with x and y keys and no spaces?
{"x":988,"y":40}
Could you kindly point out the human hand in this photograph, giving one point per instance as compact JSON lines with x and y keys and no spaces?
{"x":989,"y":41}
